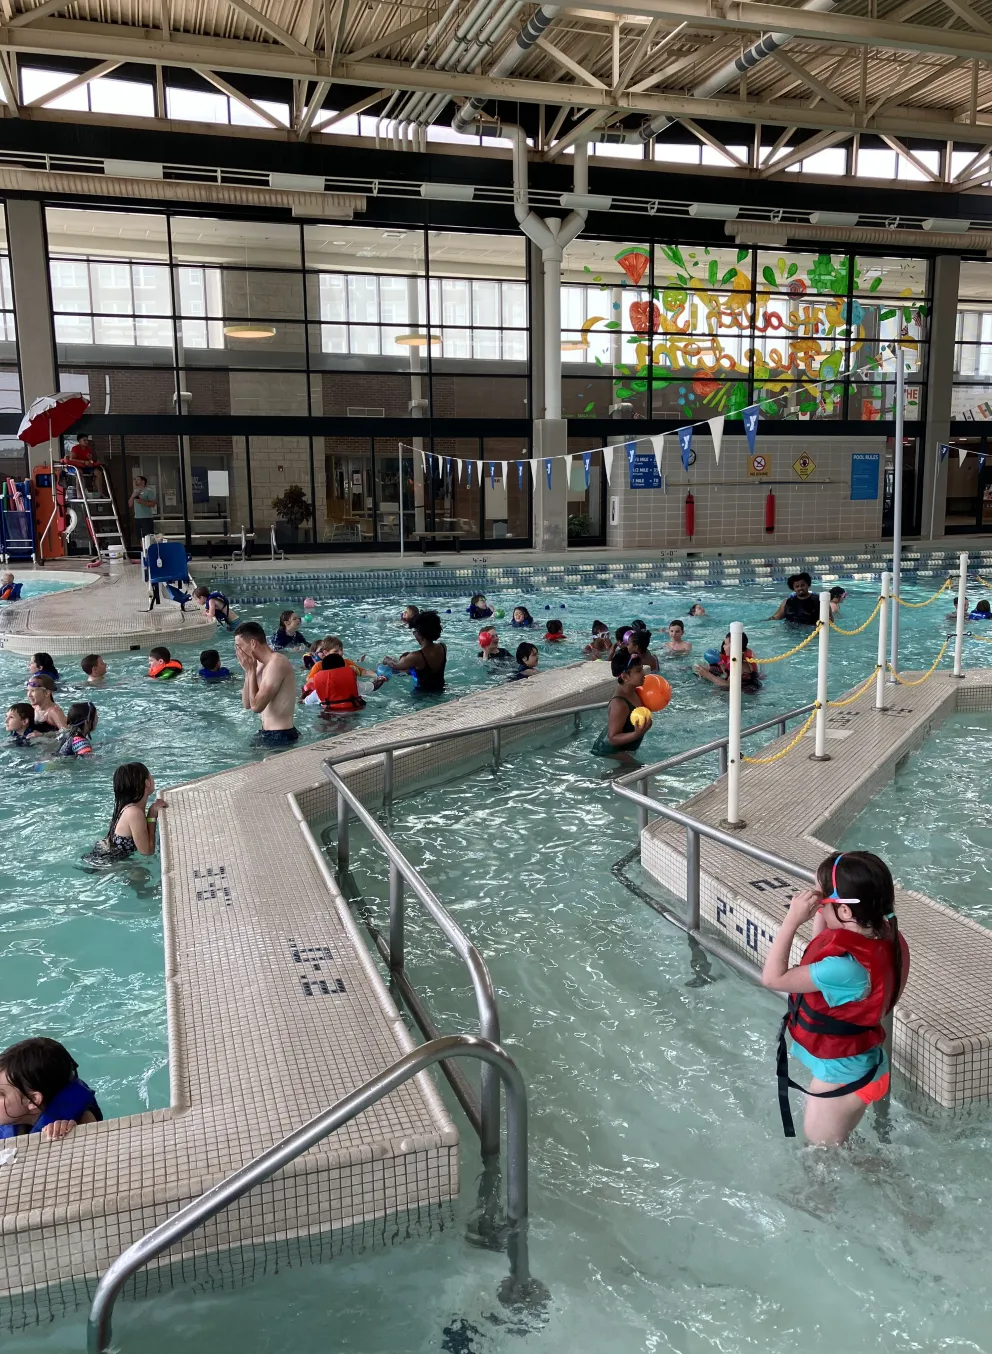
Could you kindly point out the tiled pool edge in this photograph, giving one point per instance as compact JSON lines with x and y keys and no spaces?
{"x":940,"y":1041}
{"x":114,"y":1181}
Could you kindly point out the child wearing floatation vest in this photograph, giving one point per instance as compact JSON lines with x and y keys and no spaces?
{"x":40,"y":1091}
{"x":982,"y":612}
{"x":718,"y":671}
{"x":162,"y":667}
{"x":211,"y":668}
{"x":554,"y":632}
{"x":7,"y":586}
{"x":849,"y":978}
{"x":479,"y":608}
{"x":335,"y":684}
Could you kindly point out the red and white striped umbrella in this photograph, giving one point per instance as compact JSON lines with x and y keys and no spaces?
{"x":50,"y":415}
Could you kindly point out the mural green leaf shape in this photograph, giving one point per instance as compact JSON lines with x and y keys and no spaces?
{"x":728,"y":276}
{"x":742,"y":255}
{"x":769,"y":276}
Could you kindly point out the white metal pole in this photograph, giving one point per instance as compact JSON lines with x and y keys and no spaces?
{"x":734,"y":731}
{"x":897,"y":508}
{"x":399,"y":487}
{"x":962,"y":610}
{"x":820,"y":750}
{"x":883,"y":621}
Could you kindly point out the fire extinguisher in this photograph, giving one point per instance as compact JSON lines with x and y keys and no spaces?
{"x":690,"y":515}
{"x":770,"y":512}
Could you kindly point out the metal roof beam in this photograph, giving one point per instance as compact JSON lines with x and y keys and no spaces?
{"x":269,"y":26}
{"x":218,"y":82}
{"x":77,"y":82}
{"x":809,"y":79}
{"x":566,"y":63}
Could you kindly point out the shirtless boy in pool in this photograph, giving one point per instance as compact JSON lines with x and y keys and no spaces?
{"x":269,"y":688}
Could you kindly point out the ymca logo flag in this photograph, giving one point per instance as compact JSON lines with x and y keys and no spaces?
{"x":631,"y":449}
{"x":547,"y":469}
{"x":492,"y":474}
{"x":944,"y":449}
{"x":685,"y":442}
{"x":750,"y":416}
{"x":520,"y":475}
{"x":586,"y":459}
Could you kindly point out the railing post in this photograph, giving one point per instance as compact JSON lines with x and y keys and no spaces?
{"x":961,"y":612}
{"x":734,"y":740}
{"x":642,"y":812}
{"x":342,"y":832}
{"x":497,"y":747}
{"x":387,"y":778}
{"x":780,"y":728}
{"x":396,"y":918}
{"x":883,"y":621}
{"x":692,"y":879}
{"x":820,"y":753}
{"x":722,"y":757}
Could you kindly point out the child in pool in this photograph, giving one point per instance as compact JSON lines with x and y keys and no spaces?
{"x":333,"y":644}
{"x":132,"y":826}
{"x":408,"y":616}
{"x":858,"y":962}
{"x":43,"y":665}
{"x":489,"y":647}
{"x":527,"y":657}
{"x":837,"y":595}
{"x":48,"y":717}
{"x":211,"y":669}
{"x":521,"y":618}
{"x":162,"y":667}
{"x":982,"y":612}
{"x":288,"y":635}
{"x":600,"y":646}
{"x":20,"y":724}
{"x":95,"y":668}
{"x":478,"y":608}
{"x":217,"y":607}
{"x":620,"y":736}
{"x":637,"y":647}
{"x":7,"y":588}
{"x":719,"y":673}
{"x":40,"y":1091}
{"x":953,"y":615}
{"x":677,"y":642}
{"x":81,"y":720}
{"x":697,"y":610}
{"x":554,"y":632}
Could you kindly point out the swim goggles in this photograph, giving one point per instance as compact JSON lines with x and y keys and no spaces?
{"x":835,"y":896}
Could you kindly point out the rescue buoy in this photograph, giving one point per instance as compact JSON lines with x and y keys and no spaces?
{"x":690,"y":515}
{"x":770,"y":511}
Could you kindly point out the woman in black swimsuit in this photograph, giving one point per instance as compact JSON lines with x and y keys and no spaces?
{"x":426,"y":664}
{"x":132,"y":827}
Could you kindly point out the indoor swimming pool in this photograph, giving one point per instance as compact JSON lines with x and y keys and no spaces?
{"x":658,"y":1170}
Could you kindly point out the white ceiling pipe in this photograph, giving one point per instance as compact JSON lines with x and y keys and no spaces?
{"x":514,"y":54}
{"x":464,"y":34}
{"x":471,"y":59}
{"x":779,"y":232}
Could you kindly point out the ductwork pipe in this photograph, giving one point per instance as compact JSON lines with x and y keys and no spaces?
{"x":508,"y":62}
{"x":775,"y":233}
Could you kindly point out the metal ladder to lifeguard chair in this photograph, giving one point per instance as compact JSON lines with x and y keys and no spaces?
{"x":103,"y":526}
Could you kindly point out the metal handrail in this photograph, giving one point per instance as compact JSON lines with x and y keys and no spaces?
{"x":486,"y":1118}
{"x":643,"y":775}
{"x":264,"y":1166}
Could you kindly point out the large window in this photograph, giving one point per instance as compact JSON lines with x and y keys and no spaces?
{"x":973,"y":340}
{"x":672,"y":331}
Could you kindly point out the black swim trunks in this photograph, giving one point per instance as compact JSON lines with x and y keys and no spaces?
{"x":275,"y":738}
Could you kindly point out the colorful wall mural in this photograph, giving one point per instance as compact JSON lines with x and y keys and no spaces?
{"x":722,"y":328}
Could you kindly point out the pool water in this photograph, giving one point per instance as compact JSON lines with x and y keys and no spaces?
{"x":653,"y":1128}
{"x":931,"y":822}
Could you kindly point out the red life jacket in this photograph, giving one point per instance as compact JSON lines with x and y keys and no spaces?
{"x":840,"y":1031}
{"x":165,"y":672}
{"x":337,"y":688}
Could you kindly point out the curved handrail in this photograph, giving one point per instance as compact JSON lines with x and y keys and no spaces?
{"x":209,"y":1204}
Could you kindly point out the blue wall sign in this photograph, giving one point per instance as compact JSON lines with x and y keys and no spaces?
{"x":864,"y":474}
{"x":643,"y":471}
{"x":198,"y":483}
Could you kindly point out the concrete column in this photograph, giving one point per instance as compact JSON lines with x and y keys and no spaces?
{"x":27,"y":242}
{"x":940,"y":376}
{"x":535,"y":272}
{"x":550,"y":505}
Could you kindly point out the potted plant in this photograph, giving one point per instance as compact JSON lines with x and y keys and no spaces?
{"x":294,"y":512}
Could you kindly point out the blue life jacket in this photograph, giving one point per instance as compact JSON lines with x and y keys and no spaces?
{"x":979,"y":616}
{"x":71,"y":1102}
{"x":221,"y":616}
{"x":479,"y":613}
{"x":216,"y":675}
{"x":47,"y":672}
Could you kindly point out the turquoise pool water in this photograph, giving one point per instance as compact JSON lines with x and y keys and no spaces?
{"x":931,"y":822}
{"x":653,"y":1104}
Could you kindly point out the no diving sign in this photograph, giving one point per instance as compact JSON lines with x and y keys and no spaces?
{"x":759,"y":464}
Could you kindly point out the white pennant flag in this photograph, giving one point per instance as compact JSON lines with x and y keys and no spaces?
{"x":533,"y":470}
{"x":962,"y":453}
{"x":658,"y":445}
{"x":478,"y":466}
{"x":568,"y":470}
{"x":504,"y":464}
{"x":608,"y":462}
{"x":716,"y":432}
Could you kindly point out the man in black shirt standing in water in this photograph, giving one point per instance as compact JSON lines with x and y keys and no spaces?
{"x":802,"y":608}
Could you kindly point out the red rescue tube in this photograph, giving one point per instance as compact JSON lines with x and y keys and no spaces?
{"x":690,"y":515}
{"x":770,"y":512}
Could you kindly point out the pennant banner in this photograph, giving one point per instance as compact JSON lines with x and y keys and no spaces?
{"x":658,"y":444}
{"x":533,"y":472}
{"x":586,"y":459}
{"x":547,"y":469}
{"x":568,"y":470}
{"x":750,"y":416}
{"x":716,"y":432}
{"x":608,"y":462}
{"x":685,"y":442}
{"x":520,"y":475}
{"x":504,"y":465}
{"x":943,"y":449}
{"x":492,"y":474}
{"x":962,"y":453}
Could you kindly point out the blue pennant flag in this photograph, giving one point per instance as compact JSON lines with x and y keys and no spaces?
{"x":447,"y":466}
{"x":547,"y":469}
{"x":631,"y":449}
{"x":586,"y":459}
{"x":685,"y":442}
{"x":944,"y":449}
{"x":750,"y":416}
{"x":468,"y":471}
{"x":981,"y":464}
{"x":520,"y":475}
{"x":492,"y":474}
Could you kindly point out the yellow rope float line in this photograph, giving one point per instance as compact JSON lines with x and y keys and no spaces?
{"x":764,"y":761}
{"x":980,"y":639}
{"x":835,"y":626}
{"x":929,"y":673}
{"x":779,"y":657}
{"x":849,"y":700}
{"x":984,"y":581}
{"x":943,"y":588}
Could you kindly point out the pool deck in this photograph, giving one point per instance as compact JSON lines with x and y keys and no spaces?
{"x":110,"y":616}
{"x":942,"y":1036}
{"x":275,"y":1011}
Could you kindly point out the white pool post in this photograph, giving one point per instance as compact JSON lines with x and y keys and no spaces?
{"x":898,"y":461}
{"x":820,"y":753}
{"x":883,"y":623}
{"x":734,"y":731}
{"x":962,"y":611}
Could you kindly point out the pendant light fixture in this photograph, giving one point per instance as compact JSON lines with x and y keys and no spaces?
{"x":245,"y":329}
